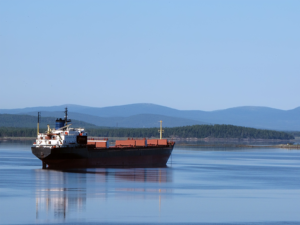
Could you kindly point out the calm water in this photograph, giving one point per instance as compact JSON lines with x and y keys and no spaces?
{"x":212,"y":185}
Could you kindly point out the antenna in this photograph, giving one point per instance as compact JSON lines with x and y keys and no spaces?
{"x":66,"y":116}
{"x":38,"y":123}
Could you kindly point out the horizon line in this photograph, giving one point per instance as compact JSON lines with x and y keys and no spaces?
{"x":66,"y":105}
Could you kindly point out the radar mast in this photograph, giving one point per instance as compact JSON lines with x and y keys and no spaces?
{"x":66,"y":116}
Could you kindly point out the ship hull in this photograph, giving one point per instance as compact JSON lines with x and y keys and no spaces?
{"x":84,"y":157}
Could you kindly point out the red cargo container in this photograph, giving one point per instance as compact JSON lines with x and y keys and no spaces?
{"x":101,"y":144}
{"x":125,"y":143}
{"x":152,"y":142}
{"x":141,"y":143}
{"x":162,"y":142}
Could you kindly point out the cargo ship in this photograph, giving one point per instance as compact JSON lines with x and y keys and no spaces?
{"x":66,"y":147}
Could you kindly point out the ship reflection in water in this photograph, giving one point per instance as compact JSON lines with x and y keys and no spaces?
{"x":60,"y":193}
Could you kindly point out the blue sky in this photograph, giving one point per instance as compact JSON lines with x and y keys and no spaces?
{"x":204,"y":55}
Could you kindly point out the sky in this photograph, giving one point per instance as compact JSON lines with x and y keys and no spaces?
{"x":189,"y":55}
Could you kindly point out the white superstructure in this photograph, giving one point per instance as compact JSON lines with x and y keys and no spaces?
{"x":62,"y":137}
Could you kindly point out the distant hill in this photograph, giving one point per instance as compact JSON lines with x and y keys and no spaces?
{"x":112,"y":111}
{"x":128,"y":115}
{"x":10,"y":120}
{"x":136,"y":121}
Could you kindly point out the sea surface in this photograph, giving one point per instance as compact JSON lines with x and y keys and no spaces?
{"x":198,"y":186}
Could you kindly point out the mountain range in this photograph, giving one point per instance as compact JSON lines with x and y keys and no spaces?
{"x":16,"y":120}
{"x":148,"y":115}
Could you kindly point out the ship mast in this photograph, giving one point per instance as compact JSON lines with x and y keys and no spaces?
{"x":38,"y":123}
{"x":66,"y":116}
{"x":160,"y":130}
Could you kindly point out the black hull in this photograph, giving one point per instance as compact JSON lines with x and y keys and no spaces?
{"x":83,"y":157}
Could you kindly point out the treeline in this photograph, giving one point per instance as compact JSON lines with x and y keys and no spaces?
{"x":294,"y":133}
{"x":18,"y":132}
{"x":196,"y":131}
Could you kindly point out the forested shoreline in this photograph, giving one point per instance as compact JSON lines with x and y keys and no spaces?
{"x":196,"y":131}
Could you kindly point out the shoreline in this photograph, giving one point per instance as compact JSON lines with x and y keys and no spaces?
{"x":286,"y":146}
{"x":208,"y":142}
{"x":17,"y":138}
{"x":233,"y":140}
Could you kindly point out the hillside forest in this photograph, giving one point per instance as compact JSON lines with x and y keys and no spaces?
{"x":195,"y":131}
